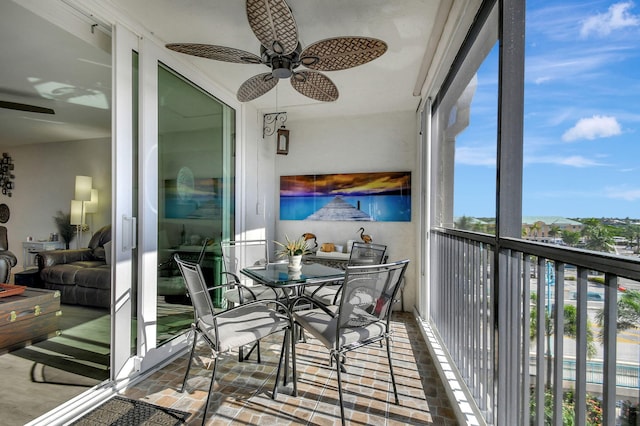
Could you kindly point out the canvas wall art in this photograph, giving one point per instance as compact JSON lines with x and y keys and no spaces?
{"x":198,"y":198}
{"x":359,"y":197}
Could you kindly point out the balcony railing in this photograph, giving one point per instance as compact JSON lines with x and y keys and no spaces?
{"x":497,"y":303}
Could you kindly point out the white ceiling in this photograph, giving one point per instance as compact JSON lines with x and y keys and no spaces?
{"x":45,"y":66}
{"x":41,"y":52}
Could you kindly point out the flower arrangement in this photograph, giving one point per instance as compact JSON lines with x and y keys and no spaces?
{"x":293,"y":247}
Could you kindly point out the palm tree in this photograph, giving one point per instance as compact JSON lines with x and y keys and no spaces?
{"x":463,"y":223}
{"x":571,"y":238}
{"x":554,"y":231}
{"x":599,"y":237}
{"x":570,"y":330}
{"x":632,"y":232}
{"x":533,"y":229}
{"x":628,"y":311}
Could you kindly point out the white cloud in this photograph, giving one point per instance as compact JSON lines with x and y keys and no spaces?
{"x":571,"y":161}
{"x":476,"y":156}
{"x":623,"y":194}
{"x":578,"y":161}
{"x":597,"y":126}
{"x":617,"y":17}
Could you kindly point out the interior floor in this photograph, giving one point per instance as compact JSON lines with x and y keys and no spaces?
{"x":50,"y":372}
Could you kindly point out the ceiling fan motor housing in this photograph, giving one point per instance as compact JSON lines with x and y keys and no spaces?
{"x":274,"y":25}
{"x":281,"y":67}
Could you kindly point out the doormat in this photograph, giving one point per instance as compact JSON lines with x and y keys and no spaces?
{"x":120,"y":411}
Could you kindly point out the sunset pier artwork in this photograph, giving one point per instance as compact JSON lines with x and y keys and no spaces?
{"x":381,"y":197}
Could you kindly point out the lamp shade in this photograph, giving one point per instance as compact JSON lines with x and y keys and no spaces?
{"x":92,"y":205}
{"x":83,"y":188}
{"x":76,"y":212}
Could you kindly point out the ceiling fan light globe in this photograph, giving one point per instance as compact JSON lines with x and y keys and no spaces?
{"x":281,"y":67}
{"x":276,"y":47}
{"x":281,"y":73}
{"x":309,"y":60}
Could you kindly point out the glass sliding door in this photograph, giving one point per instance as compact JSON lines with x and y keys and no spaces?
{"x":195,"y":191}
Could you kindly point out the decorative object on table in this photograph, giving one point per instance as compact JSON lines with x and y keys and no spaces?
{"x":7,"y":290}
{"x":364,"y":237}
{"x":65,"y":228}
{"x":275,"y":27}
{"x":294,"y":250}
{"x":5,"y":213}
{"x":328,"y":247}
{"x":6,"y":174}
{"x":353,"y":197}
{"x":309,"y":236}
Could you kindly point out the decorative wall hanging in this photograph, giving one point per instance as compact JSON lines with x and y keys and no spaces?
{"x":192,"y":198}
{"x":382,"y":197}
{"x":6,"y":174}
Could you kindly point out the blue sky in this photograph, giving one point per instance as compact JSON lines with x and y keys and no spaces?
{"x":582,"y":116}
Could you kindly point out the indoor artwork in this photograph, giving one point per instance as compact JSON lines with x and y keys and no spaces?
{"x":193,"y":198}
{"x":380,"y":197}
{"x":6,"y":174}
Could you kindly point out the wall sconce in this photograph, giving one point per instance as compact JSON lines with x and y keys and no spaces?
{"x":282,"y":141}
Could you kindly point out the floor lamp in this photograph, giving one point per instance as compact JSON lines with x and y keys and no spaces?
{"x":91,"y":206}
{"x":76,"y":218}
{"x":82,"y":194}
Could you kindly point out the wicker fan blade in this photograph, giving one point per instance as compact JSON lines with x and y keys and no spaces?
{"x":256,"y":86}
{"x":25,"y":107}
{"x":340,"y":53}
{"x":273,"y":25}
{"x":219,"y":53}
{"x":315,"y":86}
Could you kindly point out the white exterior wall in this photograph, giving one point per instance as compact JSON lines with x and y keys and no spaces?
{"x":375,"y":143}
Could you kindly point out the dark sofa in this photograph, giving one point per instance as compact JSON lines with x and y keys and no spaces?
{"x":82,"y":276}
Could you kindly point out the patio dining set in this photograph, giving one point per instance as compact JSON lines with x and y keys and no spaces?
{"x":344,"y":309}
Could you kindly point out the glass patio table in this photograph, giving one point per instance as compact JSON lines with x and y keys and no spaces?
{"x":277,"y":275}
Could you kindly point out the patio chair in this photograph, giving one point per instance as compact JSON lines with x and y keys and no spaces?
{"x":234,"y":327}
{"x":361,"y":254}
{"x":362,"y":317}
{"x":241,"y":254}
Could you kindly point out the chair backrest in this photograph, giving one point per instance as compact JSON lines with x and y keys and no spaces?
{"x":368,"y":295}
{"x":241,"y":254}
{"x":367,"y":254}
{"x":196,"y":287}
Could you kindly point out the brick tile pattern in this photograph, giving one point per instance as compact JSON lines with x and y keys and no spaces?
{"x":242,"y":392}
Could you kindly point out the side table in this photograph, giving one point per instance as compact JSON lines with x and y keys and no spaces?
{"x":31,"y":248}
{"x":29,"y":277}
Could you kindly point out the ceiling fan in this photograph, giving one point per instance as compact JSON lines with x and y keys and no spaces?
{"x":26,"y":107}
{"x":273,"y":24}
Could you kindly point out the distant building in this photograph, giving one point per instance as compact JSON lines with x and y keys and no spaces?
{"x":537,"y":228}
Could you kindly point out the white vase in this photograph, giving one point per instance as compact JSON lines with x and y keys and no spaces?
{"x":295,"y":263}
